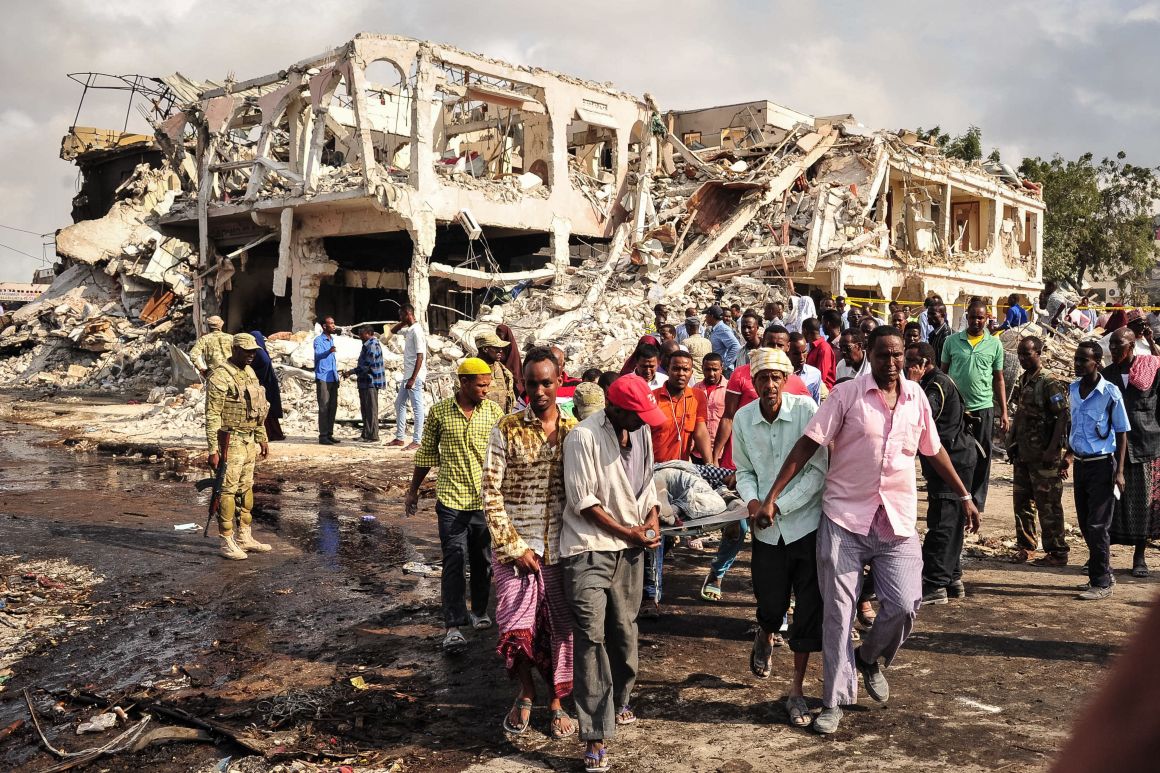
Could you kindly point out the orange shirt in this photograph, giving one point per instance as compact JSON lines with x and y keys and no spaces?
{"x":674,"y":440}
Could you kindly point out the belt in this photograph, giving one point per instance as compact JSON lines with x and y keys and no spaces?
{"x":249,"y":431}
{"x":1095,"y":458}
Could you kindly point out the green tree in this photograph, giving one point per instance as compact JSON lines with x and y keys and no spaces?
{"x":968,"y":146}
{"x":1099,"y":216}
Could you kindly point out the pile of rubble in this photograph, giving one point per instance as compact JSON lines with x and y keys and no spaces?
{"x":118,"y":304}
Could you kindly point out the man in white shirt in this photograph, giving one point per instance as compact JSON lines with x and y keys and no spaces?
{"x":414,"y":377}
{"x":611,"y":515}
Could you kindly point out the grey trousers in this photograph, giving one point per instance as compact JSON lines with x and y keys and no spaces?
{"x":327,"y":408}
{"x":368,"y":400}
{"x":604,"y":590}
{"x":896,"y":563}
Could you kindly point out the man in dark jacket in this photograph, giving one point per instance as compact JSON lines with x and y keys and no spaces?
{"x":942,"y":569}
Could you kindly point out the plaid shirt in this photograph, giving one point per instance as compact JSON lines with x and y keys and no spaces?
{"x":523,"y":487}
{"x":456,"y":445}
{"x":371,"y":374}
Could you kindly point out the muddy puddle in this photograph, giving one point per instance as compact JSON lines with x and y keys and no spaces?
{"x":342,"y":524}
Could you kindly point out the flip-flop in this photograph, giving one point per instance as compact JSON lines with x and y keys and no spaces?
{"x":710,"y":592}
{"x":799,"y":711}
{"x":454,"y":643}
{"x":598,"y":762}
{"x":554,"y":731}
{"x":521,"y":704}
{"x":625,"y":716}
{"x":761,"y":656}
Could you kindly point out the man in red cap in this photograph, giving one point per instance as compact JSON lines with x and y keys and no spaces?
{"x":611,"y":516}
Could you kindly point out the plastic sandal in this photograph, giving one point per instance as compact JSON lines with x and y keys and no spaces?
{"x":598,"y":762}
{"x":625,"y":716}
{"x":761,"y":656}
{"x":521,"y":704}
{"x":799,"y":712}
{"x":480,"y":622}
{"x":454,"y":643}
{"x":554,"y":732}
{"x":710,"y":592}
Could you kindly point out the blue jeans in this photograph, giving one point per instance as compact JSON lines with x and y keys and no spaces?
{"x":415,"y":398}
{"x":654,"y":568}
{"x":727,"y":551}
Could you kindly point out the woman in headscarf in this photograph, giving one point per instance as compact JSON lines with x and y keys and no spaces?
{"x":1117,"y":320}
{"x":264,"y":369}
{"x":513,"y":359}
{"x":630,"y":363}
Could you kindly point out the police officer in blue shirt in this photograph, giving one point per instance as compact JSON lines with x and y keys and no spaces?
{"x":1098,"y":444}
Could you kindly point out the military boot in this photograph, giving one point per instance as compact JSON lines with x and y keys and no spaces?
{"x":247,"y":542}
{"x":230,"y":548}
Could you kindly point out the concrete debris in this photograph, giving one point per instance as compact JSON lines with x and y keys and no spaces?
{"x":559,"y":207}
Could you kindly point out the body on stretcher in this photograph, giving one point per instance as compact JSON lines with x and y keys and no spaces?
{"x":695,"y":527}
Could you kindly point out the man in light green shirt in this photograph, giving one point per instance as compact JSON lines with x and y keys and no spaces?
{"x":974,"y":360}
{"x":784,"y":536}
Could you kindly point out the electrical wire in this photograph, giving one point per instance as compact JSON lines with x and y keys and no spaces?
{"x":22,"y":252}
{"x":25,"y":230}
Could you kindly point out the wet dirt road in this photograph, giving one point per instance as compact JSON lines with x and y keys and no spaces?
{"x":989,"y":683}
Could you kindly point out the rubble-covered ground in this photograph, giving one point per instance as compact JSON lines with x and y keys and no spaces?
{"x":325,"y":652}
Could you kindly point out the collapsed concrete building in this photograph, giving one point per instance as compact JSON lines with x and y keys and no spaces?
{"x":390,"y":170}
{"x":396,"y":169}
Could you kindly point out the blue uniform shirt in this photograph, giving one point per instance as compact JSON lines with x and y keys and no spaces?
{"x":325,"y":364}
{"x":725,"y":343}
{"x":1096,"y":419}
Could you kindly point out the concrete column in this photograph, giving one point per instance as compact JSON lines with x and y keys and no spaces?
{"x":309,"y":264}
{"x":561,"y":253}
{"x":423,"y":109}
{"x":421,"y":227}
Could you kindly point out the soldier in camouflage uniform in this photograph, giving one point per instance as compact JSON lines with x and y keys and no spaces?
{"x":1041,"y":411}
{"x":235,"y":401}
{"x":212,"y":349}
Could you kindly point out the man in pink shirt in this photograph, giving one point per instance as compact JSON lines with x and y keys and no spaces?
{"x":713,"y":387}
{"x":874,"y":424}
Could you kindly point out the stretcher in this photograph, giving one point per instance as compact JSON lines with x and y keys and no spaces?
{"x":695,"y":527}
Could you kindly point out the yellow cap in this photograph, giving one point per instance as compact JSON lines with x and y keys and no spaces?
{"x":473,"y":366}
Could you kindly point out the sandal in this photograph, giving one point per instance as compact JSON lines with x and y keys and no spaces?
{"x":1023,"y":555}
{"x":521,"y":705}
{"x":866,"y":618}
{"x":454,"y":643}
{"x":625,"y":716}
{"x":555,"y":731}
{"x":1141,"y":570}
{"x":479,"y":622}
{"x":761,"y":656}
{"x":710,"y":592}
{"x":799,"y":711}
{"x":597,"y":762}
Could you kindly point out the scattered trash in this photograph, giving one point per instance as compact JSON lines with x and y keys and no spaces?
{"x":98,"y":724}
{"x":359,"y":683}
{"x":423,"y":570}
{"x":186,"y":527}
{"x":368,"y":519}
{"x":224,"y":765}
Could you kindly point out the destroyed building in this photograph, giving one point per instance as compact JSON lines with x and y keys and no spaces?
{"x":390,"y":170}
{"x":395,"y":169}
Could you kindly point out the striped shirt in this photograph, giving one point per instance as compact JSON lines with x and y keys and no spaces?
{"x":456,"y":445}
{"x":523,"y":487}
{"x":371,"y":374}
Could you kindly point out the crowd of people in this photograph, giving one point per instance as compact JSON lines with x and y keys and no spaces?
{"x":552,"y":492}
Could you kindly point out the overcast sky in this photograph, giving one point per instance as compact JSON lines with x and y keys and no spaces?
{"x":1038,"y":76}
